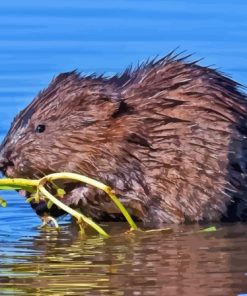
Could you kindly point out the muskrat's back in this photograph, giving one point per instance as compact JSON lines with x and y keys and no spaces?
{"x":169,"y":137}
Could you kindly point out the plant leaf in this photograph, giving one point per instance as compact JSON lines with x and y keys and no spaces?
{"x":60,"y":192}
{"x":3,"y":203}
{"x":209,"y":229}
{"x":49,"y":204}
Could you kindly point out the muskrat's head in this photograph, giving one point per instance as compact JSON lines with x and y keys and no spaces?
{"x":67,"y":127}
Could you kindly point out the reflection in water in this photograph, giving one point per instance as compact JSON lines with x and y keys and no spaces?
{"x":180,"y":263}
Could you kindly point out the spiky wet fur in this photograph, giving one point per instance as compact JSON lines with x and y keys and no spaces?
{"x":169,"y":137}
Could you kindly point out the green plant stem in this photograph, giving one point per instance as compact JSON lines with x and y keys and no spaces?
{"x":99,"y":185}
{"x":72,"y":212}
{"x":17,"y":183}
{"x":26,"y":184}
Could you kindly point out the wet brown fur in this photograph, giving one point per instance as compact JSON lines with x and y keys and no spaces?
{"x":169,"y":137}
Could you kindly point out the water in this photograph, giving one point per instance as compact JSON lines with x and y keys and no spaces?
{"x":41,"y":39}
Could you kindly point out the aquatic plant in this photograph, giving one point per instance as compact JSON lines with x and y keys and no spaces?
{"x":38,"y":191}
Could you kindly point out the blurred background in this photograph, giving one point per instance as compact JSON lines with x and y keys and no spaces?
{"x":39,"y":39}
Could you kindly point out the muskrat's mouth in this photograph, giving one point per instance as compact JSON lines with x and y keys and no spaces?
{"x":41,"y":207}
{"x":24,"y":193}
{"x":10,"y":172}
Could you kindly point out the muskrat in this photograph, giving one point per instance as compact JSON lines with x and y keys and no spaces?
{"x":169,"y":137}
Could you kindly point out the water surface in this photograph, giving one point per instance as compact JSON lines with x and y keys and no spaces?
{"x":41,"y":39}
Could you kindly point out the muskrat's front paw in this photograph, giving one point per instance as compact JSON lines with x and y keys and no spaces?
{"x":42,"y":210}
{"x":78,"y":197}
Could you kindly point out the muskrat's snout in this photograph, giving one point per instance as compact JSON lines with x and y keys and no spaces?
{"x":5,"y":161}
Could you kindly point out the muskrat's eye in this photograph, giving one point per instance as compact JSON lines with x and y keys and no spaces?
{"x":40,"y":128}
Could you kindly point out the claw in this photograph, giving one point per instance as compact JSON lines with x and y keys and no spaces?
{"x":48,"y":219}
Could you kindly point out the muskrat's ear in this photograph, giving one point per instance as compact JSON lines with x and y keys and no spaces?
{"x":122,"y":109}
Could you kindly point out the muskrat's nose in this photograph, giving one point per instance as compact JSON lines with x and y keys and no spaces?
{"x":2,"y":161}
{"x":5,"y":161}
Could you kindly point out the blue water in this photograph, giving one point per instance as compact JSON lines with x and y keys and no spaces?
{"x":39,"y":39}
